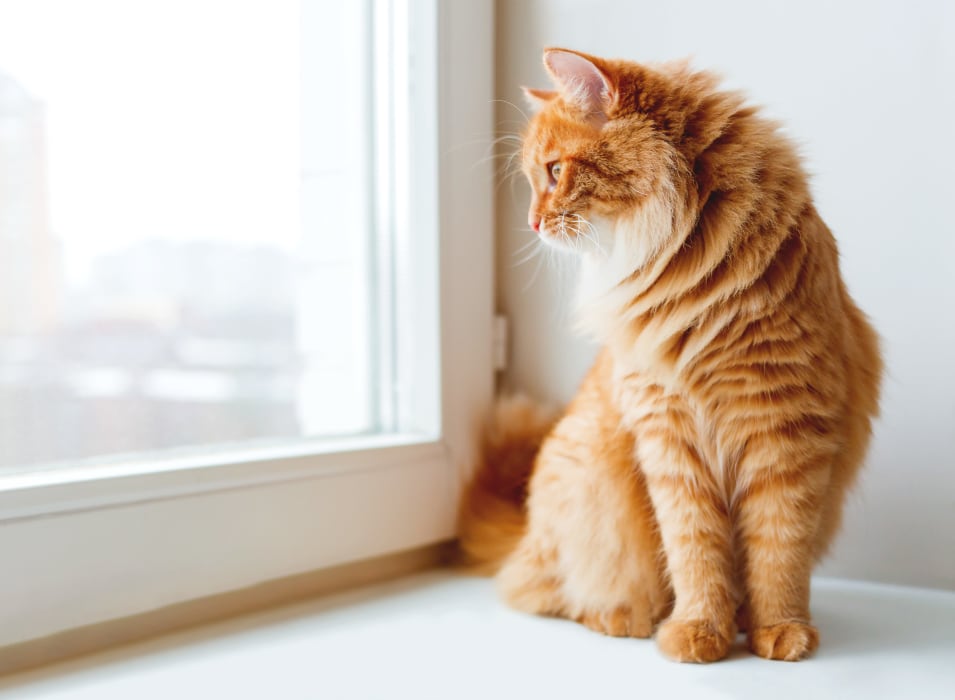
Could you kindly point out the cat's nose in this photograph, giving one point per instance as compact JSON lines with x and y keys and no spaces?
{"x":535,"y":222}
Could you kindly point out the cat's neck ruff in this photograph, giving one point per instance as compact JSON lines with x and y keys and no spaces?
{"x":632,"y":249}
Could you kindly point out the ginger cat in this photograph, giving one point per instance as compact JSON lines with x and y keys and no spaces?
{"x":701,"y":469}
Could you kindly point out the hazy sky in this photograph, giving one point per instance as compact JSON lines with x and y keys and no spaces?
{"x":172,"y":118}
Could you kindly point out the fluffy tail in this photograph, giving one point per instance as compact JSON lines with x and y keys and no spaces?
{"x":492,"y":516}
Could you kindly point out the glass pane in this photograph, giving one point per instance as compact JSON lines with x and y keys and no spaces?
{"x":180,"y":265}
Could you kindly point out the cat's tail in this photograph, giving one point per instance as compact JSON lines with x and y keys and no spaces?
{"x":492,"y":516}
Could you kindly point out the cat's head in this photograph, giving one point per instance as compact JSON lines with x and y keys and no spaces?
{"x":600,"y":157}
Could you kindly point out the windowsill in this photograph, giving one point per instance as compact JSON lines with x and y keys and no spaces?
{"x":438,"y":635}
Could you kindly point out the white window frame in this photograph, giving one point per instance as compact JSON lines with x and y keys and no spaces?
{"x":82,"y":547}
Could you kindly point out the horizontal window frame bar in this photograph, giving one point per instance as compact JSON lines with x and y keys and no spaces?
{"x":79,"y":567}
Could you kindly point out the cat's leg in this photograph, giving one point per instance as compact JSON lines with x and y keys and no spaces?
{"x":591,"y":551}
{"x":608,"y":547}
{"x":783,"y":479}
{"x":531,"y":579}
{"x":697,"y":535}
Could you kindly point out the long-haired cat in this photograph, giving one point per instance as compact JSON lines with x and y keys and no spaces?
{"x":701,"y":469}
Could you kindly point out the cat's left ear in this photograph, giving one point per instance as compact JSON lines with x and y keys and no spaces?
{"x":537,"y":99}
{"x":580,"y":81}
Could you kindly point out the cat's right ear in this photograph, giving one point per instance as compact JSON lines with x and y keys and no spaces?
{"x":536,"y":98}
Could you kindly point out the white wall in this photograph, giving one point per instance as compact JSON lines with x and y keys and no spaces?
{"x":869,"y":89}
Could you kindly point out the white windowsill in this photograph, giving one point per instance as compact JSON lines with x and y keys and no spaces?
{"x":438,"y":636}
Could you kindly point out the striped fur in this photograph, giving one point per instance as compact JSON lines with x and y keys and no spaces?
{"x":701,"y":470}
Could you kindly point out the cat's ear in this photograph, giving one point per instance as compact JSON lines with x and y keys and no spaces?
{"x":580,"y":81}
{"x":536,"y":99}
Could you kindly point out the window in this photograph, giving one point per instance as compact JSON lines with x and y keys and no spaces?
{"x":245,"y":329}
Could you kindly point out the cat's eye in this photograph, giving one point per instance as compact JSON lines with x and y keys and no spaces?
{"x":554,"y":171}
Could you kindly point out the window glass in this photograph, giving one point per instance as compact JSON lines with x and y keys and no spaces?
{"x":186,"y":212}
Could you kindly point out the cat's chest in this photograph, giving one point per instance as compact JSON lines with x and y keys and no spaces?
{"x":642,"y":395}
{"x":660,"y":404}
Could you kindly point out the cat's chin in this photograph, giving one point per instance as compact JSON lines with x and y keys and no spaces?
{"x":564,"y":244}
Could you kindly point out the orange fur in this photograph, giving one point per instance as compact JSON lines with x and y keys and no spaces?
{"x":702,"y":468}
{"x":491,"y":517}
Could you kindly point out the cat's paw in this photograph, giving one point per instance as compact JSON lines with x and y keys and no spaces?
{"x":694,"y":641}
{"x":786,"y":641}
{"x":623,"y":621}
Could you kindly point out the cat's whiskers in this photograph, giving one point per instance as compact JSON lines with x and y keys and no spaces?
{"x":540,"y":260}
{"x":529,"y":250}
{"x":563,"y":236}
{"x":586,"y":231}
{"x":510,"y":168}
{"x":504,"y":157}
{"x":515,"y":108}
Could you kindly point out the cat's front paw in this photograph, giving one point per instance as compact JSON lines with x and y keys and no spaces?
{"x":786,"y":641}
{"x":694,"y":641}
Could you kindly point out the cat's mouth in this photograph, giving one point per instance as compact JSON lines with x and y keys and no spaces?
{"x":549,"y":234}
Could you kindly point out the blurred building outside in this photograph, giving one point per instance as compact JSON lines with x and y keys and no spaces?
{"x":168,"y":343}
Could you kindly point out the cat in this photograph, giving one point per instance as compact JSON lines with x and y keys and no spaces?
{"x":700,"y":471}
